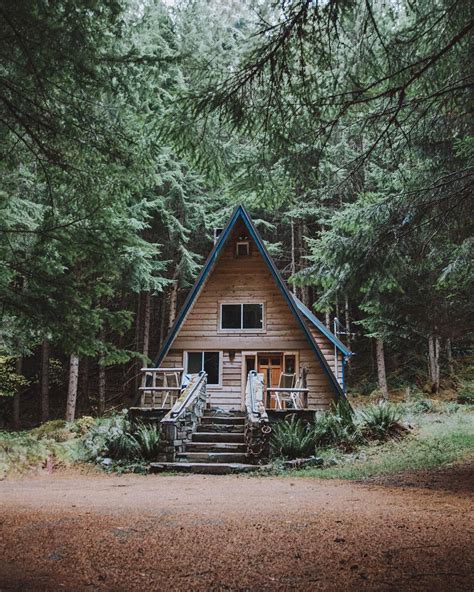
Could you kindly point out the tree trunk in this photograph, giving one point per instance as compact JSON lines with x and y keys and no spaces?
{"x":347,"y":322}
{"x":85,"y":383}
{"x":327,"y":319}
{"x":293,"y":256}
{"x":17,"y":396}
{"x":162,"y":320}
{"x":45,"y":381}
{"x":449,"y":356}
{"x":382,"y":376}
{"x":304,"y":289}
{"x":102,"y":383}
{"x":173,"y":301}
{"x":138,"y":322}
{"x":138,"y":326}
{"x":433,"y":361}
{"x":146,"y":323}
{"x":72,"y":387}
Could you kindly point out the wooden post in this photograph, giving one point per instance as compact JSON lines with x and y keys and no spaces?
{"x":382,"y":376}
{"x":72,"y":387}
{"x":44,"y":381}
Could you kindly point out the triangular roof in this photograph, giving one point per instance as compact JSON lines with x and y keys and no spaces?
{"x":298,"y":309}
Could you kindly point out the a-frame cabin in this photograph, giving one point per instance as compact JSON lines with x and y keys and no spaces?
{"x":240,"y":316}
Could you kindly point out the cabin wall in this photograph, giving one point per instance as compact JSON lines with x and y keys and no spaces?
{"x":241,"y":280}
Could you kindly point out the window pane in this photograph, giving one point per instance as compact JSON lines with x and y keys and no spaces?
{"x":211,"y":366}
{"x":231,"y":316}
{"x":194,"y":362}
{"x":253,"y":316}
{"x":290,"y":364}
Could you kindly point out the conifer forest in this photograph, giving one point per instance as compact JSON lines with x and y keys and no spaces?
{"x":130,"y":129}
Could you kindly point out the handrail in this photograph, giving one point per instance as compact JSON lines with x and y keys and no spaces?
{"x":257,"y":426}
{"x":188,"y":394}
{"x":254,"y":400}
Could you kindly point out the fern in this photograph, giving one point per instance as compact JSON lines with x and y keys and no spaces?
{"x":292,"y":439}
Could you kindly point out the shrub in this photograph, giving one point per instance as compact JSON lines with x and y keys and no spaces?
{"x":56,"y":430}
{"x":466,"y":394}
{"x":381,"y":421}
{"x":111,"y":437}
{"x":116,"y":437}
{"x":82,"y":425}
{"x":292,"y":439}
{"x":148,"y":439}
{"x":421,"y":405}
{"x":337,"y":427}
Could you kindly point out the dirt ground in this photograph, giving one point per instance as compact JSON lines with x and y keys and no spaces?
{"x":196,"y":532}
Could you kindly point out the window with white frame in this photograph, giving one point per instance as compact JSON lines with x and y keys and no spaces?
{"x":207,"y":361}
{"x":243,"y":317}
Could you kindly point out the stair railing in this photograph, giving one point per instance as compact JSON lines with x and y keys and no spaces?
{"x":182,"y":419}
{"x":257,"y":426}
{"x":157,"y":383}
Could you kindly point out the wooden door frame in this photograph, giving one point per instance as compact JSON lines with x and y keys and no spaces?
{"x":255,"y":353}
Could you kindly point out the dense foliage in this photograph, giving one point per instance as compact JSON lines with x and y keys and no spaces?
{"x":130,"y":129}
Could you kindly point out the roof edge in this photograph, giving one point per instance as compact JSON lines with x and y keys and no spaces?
{"x":312,"y":318}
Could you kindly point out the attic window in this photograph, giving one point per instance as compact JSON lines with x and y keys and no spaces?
{"x":242,"y":248}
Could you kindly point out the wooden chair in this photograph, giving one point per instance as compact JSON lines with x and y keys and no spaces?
{"x":280,"y":397}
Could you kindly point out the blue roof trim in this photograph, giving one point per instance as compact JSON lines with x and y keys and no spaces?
{"x":240,"y":212}
{"x":312,"y":318}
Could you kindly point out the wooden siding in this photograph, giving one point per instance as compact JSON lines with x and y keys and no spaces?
{"x":239,"y":280}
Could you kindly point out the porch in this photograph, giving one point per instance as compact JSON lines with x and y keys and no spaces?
{"x":284,"y":381}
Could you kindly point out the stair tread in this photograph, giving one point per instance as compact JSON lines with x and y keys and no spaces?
{"x":212,"y":468}
{"x":210,"y":453}
{"x":216,"y":445}
{"x":221,"y":427}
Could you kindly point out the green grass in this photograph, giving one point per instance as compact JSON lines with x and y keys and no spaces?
{"x":436,"y":440}
{"x":22,"y":452}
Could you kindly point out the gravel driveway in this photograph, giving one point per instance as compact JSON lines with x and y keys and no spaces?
{"x":196,"y":532}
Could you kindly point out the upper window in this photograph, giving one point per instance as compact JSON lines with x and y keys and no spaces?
{"x":242,"y":248}
{"x":242,"y":316}
{"x":207,"y":361}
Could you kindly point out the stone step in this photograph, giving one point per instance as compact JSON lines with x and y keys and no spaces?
{"x":215,"y":447}
{"x":222,"y":419}
{"x":212,"y":468}
{"x":221,"y":427}
{"x":208,"y":457}
{"x":217,"y":437}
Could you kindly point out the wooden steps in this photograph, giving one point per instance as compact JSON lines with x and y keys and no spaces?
{"x":218,"y":447}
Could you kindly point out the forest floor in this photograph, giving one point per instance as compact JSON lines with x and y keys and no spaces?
{"x":70,"y":531}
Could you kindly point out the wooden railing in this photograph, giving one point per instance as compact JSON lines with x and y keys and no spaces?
{"x":183,"y":418}
{"x":257,"y":427}
{"x":161,"y":387}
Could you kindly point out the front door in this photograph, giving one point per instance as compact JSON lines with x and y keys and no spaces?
{"x":271,"y":366}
